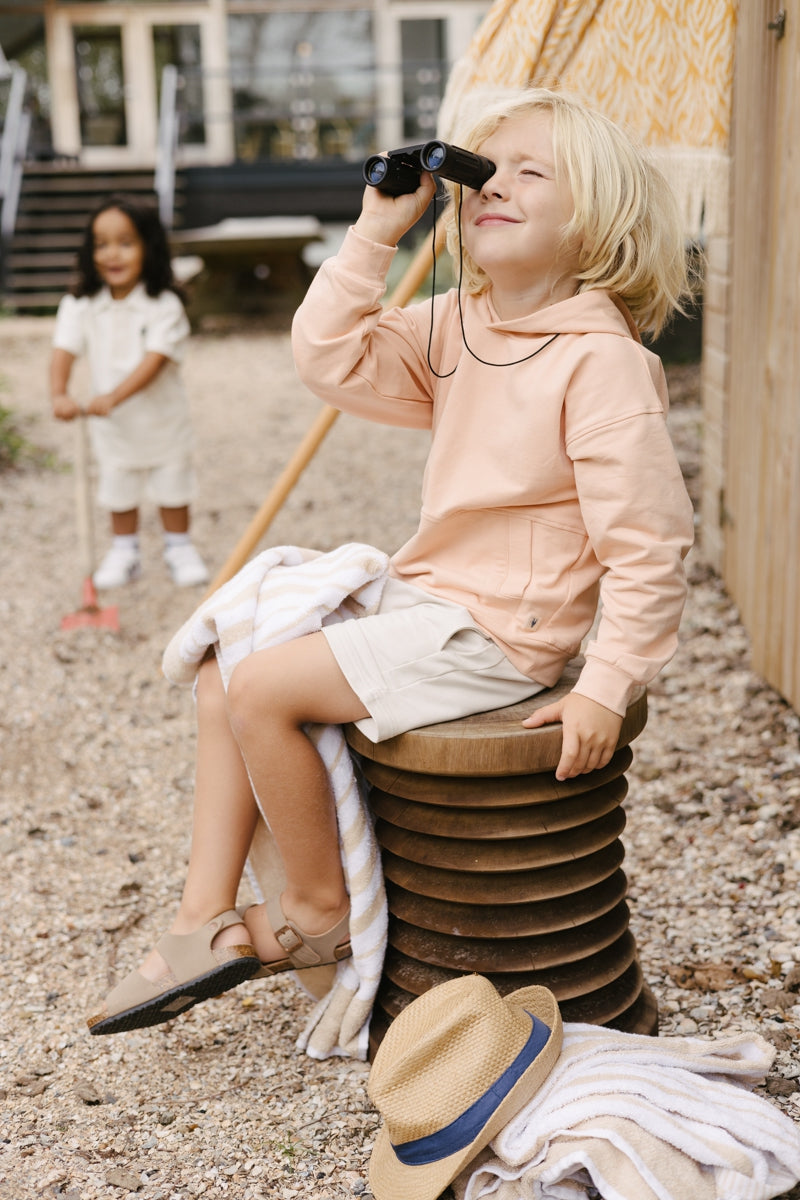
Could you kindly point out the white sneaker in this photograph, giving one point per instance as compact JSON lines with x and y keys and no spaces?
{"x":185,"y":564}
{"x":121,"y":565}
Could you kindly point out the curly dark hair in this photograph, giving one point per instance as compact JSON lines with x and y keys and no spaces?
{"x":156,"y":264}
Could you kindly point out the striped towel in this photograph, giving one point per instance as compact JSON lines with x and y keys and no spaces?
{"x":628,"y":1117}
{"x":282,"y":594}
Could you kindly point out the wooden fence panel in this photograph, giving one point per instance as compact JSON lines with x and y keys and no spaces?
{"x":762,"y":486}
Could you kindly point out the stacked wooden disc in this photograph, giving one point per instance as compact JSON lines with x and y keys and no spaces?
{"x":494,"y":866}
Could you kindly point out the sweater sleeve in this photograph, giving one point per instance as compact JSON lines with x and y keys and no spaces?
{"x":639,"y":520}
{"x":354,"y":354}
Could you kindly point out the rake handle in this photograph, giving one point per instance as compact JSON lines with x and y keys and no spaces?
{"x":413,"y":278}
{"x":83,"y":499}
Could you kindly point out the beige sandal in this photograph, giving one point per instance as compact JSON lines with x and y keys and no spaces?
{"x":304,"y":950}
{"x":196,"y":972}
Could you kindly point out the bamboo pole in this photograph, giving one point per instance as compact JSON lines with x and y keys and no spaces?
{"x":413,"y":278}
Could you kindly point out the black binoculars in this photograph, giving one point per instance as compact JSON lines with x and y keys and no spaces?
{"x":400,"y":171}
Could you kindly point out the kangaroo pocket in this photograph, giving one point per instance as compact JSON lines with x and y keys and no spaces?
{"x":551,"y":576}
{"x":462,"y":555}
{"x":540,"y":576}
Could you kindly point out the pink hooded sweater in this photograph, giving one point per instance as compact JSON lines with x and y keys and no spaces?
{"x":550,"y":483}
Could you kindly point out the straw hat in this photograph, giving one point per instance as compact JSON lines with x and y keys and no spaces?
{"x":452,"y":1070}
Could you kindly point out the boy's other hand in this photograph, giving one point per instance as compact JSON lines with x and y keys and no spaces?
{"x":589,"y":736}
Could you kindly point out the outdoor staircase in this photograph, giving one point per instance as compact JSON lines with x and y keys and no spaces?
{"x":55,"y":201}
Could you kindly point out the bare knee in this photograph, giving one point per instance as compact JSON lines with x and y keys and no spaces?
{"x":252,"y":698}
{"x":291,"y":685}
{"x":210,"y":692}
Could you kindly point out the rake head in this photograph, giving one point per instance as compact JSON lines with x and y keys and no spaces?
{"x":90,"y":614}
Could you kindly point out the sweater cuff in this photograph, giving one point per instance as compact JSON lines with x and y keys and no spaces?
{"x":367,"y":258}
{"x":607,"y":685}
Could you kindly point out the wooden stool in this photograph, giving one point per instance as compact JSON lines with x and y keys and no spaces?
{"x":492,"y":865}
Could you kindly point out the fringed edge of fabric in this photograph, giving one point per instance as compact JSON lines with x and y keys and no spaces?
{"x":700,"y":180}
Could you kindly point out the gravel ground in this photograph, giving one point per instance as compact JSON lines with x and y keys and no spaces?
{"x":96,"y":760}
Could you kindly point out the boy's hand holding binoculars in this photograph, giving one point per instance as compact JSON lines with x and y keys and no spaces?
{"x":403,"y":181}
{"x":385,"y":218}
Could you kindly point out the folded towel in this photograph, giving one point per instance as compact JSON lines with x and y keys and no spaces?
{"x":629,"y":1117}
{"x":281,"y":594}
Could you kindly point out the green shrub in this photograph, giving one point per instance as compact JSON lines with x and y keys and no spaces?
{"x":12,"y":443}
{"x":15,"y":448}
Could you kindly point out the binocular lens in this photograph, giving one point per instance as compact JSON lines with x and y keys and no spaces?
{"x":375,"y":169}
{"x":433,"y":156}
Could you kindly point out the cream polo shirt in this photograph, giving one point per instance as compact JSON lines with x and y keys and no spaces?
{"x":153,"y":426}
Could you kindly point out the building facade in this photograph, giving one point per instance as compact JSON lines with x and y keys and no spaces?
{"x":258,"y":79}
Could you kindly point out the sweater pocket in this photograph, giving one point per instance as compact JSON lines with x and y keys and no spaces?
{"x":552,"y":574}
{"x":515,"y":579}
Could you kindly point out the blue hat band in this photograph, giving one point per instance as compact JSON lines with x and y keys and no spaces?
{"x":466,"y":1128}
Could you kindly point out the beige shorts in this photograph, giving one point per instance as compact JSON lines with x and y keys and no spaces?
{"x":420,"y":660}
{"x":120,"y":489}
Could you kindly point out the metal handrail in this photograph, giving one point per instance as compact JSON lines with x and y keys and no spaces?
{"x":13,"y":145}
{"x":164,"y":182}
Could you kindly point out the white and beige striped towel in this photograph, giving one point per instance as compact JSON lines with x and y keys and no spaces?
{"x":628,"y":1117}
{"x":281,"y":594}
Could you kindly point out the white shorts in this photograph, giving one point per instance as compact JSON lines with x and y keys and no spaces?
{"x":171,"y":485}
{"x":420,"y":660}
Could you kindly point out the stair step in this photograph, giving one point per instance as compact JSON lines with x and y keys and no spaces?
{"x":44,"y":222}
{"x":91,"y":188}
{"x":40,"y":279}
{"x":27,"y":300}
{"x":21,"y":260}
{"x":47,"y":241}
{"x":85,"y":180}
{"x":31,"y":204}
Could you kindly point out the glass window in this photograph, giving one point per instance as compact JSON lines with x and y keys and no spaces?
{"x":98,"y":62}
{"x":180,"y":46}
{"x":303,"y":84}
{"x":423,"y":52}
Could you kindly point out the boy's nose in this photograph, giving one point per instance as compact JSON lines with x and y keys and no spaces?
{"x":495,"y":186}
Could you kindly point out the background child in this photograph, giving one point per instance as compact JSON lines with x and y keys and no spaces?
{"x":550,"y":469}
{"x":127,"y":316}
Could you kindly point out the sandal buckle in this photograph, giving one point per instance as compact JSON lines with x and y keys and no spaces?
{"x":288,"y":939}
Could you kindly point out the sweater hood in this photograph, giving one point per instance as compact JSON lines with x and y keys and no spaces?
{"x":588,"y":312}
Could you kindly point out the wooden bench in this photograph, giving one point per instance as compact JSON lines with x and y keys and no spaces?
{"x":494,"y":866}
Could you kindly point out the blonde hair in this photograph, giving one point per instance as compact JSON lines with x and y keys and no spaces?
{"x":626,"y":219}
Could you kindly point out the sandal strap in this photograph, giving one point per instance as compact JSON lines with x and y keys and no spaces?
{"x":190,"y":954}
{"x":306,"y":949}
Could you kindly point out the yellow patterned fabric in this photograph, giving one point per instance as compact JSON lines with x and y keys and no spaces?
{"x":661,"y":68}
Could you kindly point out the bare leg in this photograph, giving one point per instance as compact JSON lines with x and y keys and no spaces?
{"x":272,"y":695}
{"x":125,"y":523}
{"x":175,"y":520}
{"x":225,"y":816}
